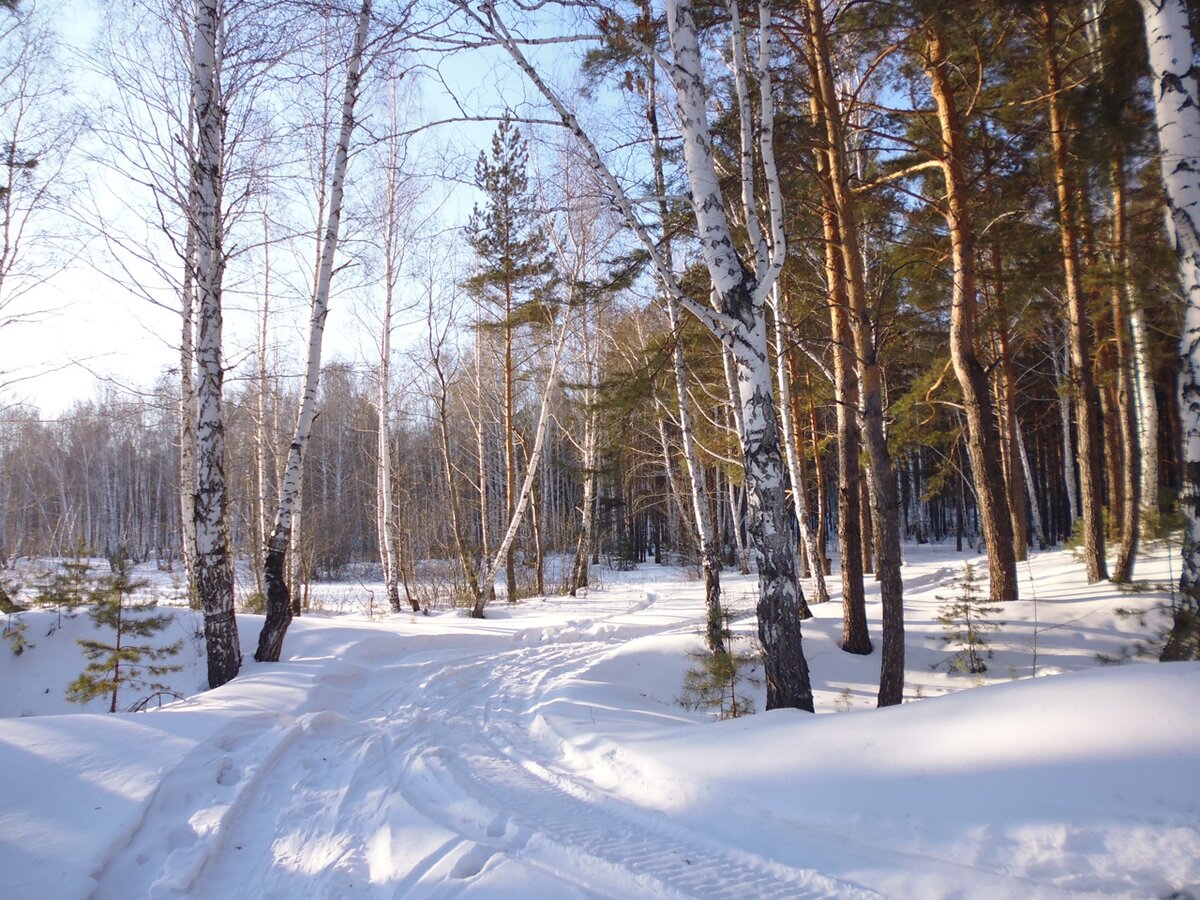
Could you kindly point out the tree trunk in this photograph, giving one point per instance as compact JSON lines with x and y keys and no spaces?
{"x":1172,"y":50}
{"x":492,"y":565}
{"x":1010,"y":430}
{"x":883,"y":476}
{"x":742,"y":298}
{"x":1147,"y":413}
{"x":187,"y":413}
{"x":1038,"y":530}
{"x":1083,"y":388}
{"x":1130,"y":485}
{"x":279,"y":601}
{"x":982,"y":440}
{"x":792,"y":450}
{"x":855,"y":635}
{"x":214,"y":567}
{"x":819,"y":470}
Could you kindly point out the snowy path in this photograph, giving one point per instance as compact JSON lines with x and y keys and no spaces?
{"x":542,"y":753}
{"x":426,"y":781}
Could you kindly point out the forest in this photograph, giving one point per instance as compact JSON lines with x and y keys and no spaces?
{"x":740,"y":283}
{"x":547,"y":379}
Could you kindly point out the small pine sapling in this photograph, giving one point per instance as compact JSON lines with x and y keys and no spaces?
{"x":14,"y":628}
{"x":964,"y":618}
{"x":65,"y":589}
{"x":719,"y":677}
{"x":14,"y":633}
{"x":121,"y":663}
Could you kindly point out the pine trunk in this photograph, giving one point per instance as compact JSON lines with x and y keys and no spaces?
{"x":855,"y":635}
{"x":882,"y":479}
{"x":1083,"y":389}
{"x":982,"y":439}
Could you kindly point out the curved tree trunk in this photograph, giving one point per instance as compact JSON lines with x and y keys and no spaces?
{"x":279,"y":601}
{"x":982,"y":438}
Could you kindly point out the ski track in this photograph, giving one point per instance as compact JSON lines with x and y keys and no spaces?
{"x":280,"y":809}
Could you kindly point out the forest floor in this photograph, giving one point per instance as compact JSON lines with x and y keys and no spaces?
{"x":543,"y":752}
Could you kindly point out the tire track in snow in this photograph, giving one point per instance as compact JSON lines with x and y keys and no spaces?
{"x":561,"y":824}
{"x":305,"y":807}
{"x":582,"y":841}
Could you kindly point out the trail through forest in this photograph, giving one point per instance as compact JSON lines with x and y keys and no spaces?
{"x":542,"y":752}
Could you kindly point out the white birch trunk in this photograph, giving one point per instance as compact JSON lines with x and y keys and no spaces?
{"x":187,"y":416}
{"x":1146,"y":410}
{"x":1064,"y":416}
{"x":799,"y":495}
{"x":742,"y":300}
{"x":1031,"y":490}
{"x":384,"y":521}
{"x":494,"y":563}
{"x":279,"y":605}
{"x":214,"y":567}
{"x":1172,"y":52}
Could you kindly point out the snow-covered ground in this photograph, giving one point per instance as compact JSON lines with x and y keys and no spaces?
{"x":542,"y":752}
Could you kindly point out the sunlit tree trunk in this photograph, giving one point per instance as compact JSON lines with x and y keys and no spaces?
{"x":1083,"y":389}
{"x":982,"y":438}
{"x":1172,"y":50}
{"x":214,"y":566}
{"x":279,"y":601}
{"x":883,"y":477}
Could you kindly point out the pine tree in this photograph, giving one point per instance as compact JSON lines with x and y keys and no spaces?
{"x":513,"y":275}
{"x":14,"y":627}
{"x":717,"y":680}
{"x":66,"y":588}
{"x":120,"y":663}
{"x":964,"y":618}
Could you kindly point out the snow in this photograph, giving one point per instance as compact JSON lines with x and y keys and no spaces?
{"x":542,"y":752}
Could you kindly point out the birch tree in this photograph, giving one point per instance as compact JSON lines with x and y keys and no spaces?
{"x":279,"y":600}
{"x":741,"y":287}
{"x":214,"y":565}
{"x":1173,"y":53}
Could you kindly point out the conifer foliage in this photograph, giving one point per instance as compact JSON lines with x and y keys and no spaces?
{"x":965,"y":618}
{"x":121,"y":662}
{"x":720,"y":675}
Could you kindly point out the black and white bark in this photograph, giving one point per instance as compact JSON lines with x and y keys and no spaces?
{"x":214,"y":566}
{"x":1172,"y":52}
{"x":792,"y":450}
{"x":740,"y":321}
{"x":279,"y":600}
